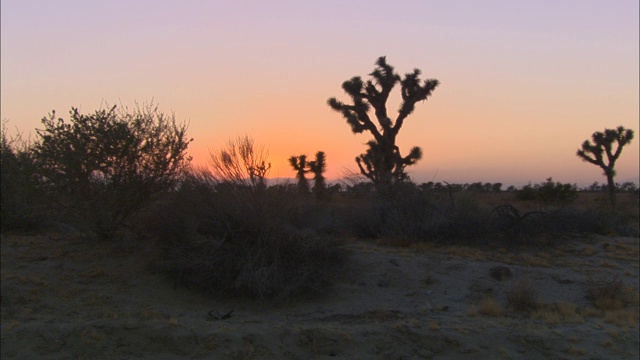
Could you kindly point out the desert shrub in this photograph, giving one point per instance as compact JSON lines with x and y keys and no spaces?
{"x":402,"y":212}
{"x":488,"y":307}
{"x":22,"y":206}
{"x":412,"y":214}
{"x":610,"y":293}
{"x":557,"y":193}
{"x":549,"y":193}
{"x":522,"y":296}
{"x":507,"y":222}
{"x":105,"y":166}
{"x":527,"y":193}
{"x":224,"y":239}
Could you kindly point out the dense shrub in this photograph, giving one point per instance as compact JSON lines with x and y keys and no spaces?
{"x":107,"y":165}
{"x":21,"y":207}
{"x":225,"y":239}
{"x":549,"y":193}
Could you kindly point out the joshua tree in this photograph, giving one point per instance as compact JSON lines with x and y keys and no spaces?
{"x":318,"y":167}
{"x":602,"y":143}
{"x":382,"y":163}
{"x":299,"y":164}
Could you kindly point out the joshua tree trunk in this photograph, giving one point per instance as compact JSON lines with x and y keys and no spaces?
{"x":612,"y":188}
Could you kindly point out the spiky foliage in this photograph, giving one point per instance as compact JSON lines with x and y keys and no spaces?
{"x":318,"y":167}
{"x":300,"y":165}
{"x":383,"y":163}
{"x":242,"y":163}
{"x":601,"y":145}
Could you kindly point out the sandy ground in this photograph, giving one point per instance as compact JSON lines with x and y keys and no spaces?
{"x":64,"y":296}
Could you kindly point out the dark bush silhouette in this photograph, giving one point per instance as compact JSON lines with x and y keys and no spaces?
{"x":225,"y":241}
{"x":22,"y":206}
{"x":549,"y":193}
{"x":601,"y":145}
{"x":107,"y":165}
{"x":242,"y":163}
{"x":382,"y":163}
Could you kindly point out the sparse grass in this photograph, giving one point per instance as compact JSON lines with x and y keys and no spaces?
{"x":607,"y":343}
{"x":429,"y":280}
{"x":547,"y":314}
{"x":576,"y":351}
{"x":490,"y":307}
{"x":569,"y":312}
{"x":622,"y":317}
{"x":560,"y":312}
{"x":466,"y":252}
{"x":610,"y":293}
{"x":434,"y":325}
{"x":589,"y":250}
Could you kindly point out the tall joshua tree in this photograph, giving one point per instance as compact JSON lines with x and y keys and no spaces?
{"x":299,"y":164}
{"x":601,"y":145}
{"x":382,"y":162}
{"x":318,"y":167}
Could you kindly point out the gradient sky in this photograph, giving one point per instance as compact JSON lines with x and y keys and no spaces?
{"x":523,"y":83}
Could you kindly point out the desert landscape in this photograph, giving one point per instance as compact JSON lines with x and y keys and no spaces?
{"x":66,"y":296}
{"x":324,"y":180}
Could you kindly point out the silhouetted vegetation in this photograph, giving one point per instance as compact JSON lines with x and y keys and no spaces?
{"x":105,"y":166}
{"x":299,"y":164}
{"x":241,"y":163}
{"x":318,"y":167}
{"x":224,"y":230}
{"x":382,"y":163}
{"x":549,"y":193}
{"x":22,"y":206}
{"x":225,"y":241}
{"x":601,"y":145}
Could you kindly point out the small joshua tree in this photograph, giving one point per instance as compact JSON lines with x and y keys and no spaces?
{"x":300,"y":165}
{"x":318,"y":167}
{"x":601,"y":145}
{"x":382,"y":162}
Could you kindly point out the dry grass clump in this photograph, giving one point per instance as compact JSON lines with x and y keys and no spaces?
{"x":522,"y":295}
{"x":487,"y":307}
{"x":622,"y":317}
{"x":561,"y":312}
{"x":610,"y":293}
{"x":434,"y":325}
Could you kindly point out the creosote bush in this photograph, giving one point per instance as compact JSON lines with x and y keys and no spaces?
{"x":105,"y":166}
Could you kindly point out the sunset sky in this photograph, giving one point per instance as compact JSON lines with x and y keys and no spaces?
{"x":523,"y":83}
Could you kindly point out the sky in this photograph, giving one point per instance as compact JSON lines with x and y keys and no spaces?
{"x":523,"y":83}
